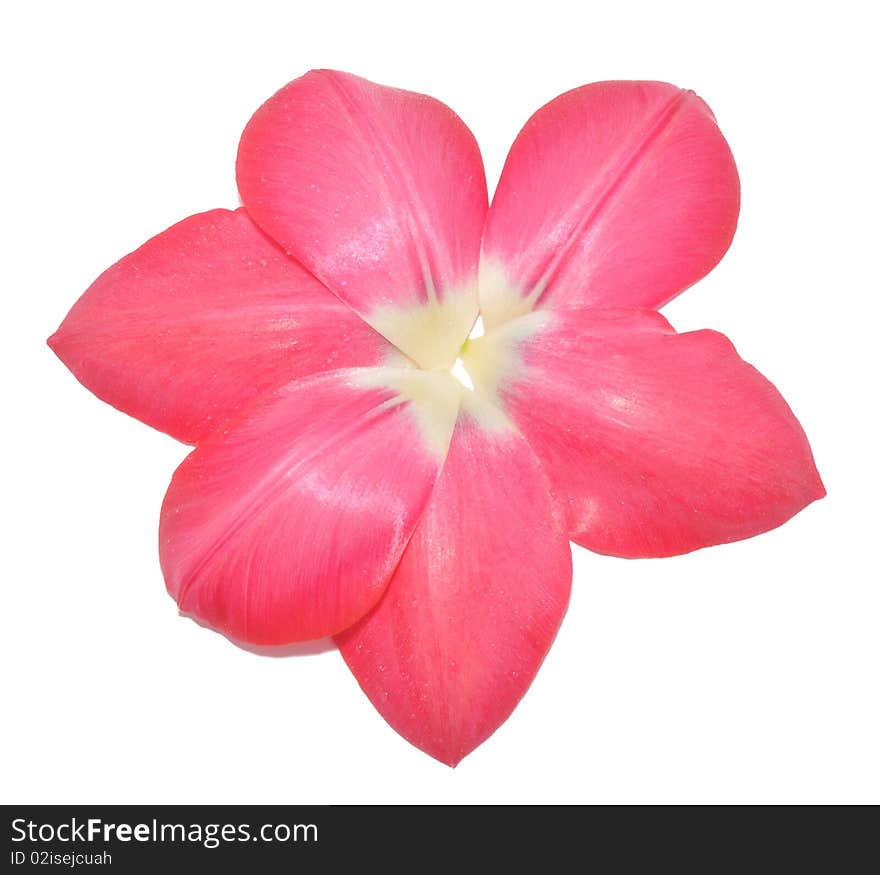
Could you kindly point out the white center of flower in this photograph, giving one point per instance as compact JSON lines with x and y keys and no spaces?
{"x":439,"y":377}
{"x":459,"y":368}
{"x":459,"y":371}
{"x":428,"y":332}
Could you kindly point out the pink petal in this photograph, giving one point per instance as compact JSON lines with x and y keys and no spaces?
{"x":617,"y":194}
{"x":475,"y":602}
{"x":287,"y":525}
{"x":661,"y":443}
{"x":200,"y":320}
{"x":381,"y":194}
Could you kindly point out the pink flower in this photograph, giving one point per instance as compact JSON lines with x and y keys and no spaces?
{"x":344,"y":482}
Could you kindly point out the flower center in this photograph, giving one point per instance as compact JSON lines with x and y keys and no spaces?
{"x":494,"y":358}
{"x":459,"y":371}
{"x":459,"y":368}
{"x":439,"y":389}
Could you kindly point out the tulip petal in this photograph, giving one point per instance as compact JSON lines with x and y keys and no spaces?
{"x":381,"y":194}
{"x":287,"y":525}
{"x":660,"y":443}
{"x":195,"y":324}
{"x":477,"y":598}
{"x":616,"y":194}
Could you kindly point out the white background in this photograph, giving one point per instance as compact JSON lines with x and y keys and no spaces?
{"x":746,"y":673}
